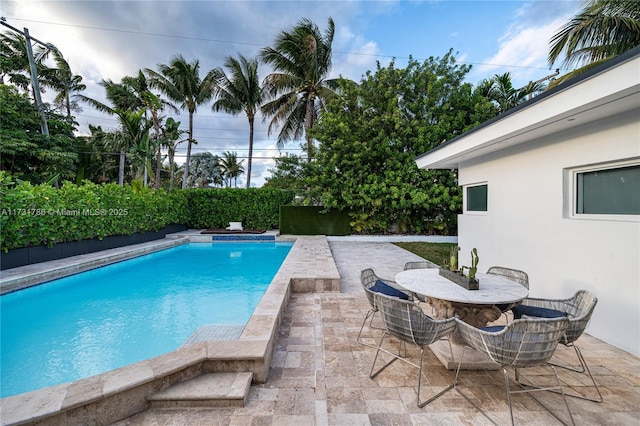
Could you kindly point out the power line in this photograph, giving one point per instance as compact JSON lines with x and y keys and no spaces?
{"x":256,"y":44}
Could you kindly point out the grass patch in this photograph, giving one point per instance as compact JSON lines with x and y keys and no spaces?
{"x":435,"y":252}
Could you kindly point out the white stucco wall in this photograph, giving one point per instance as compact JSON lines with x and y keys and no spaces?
{"x":525,"y":228}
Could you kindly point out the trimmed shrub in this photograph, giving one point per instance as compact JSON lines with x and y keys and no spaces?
{"x":33,"y":215}
{"x":256,"y":208}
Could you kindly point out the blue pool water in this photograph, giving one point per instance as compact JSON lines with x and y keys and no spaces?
{"x":109,"y":317}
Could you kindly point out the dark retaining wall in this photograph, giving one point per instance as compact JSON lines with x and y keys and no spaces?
{"x":29,"y":255}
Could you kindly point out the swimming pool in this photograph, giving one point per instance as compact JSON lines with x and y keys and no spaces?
{"x":113,"y":316}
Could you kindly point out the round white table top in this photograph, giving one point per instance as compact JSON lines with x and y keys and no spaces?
{"x":493,"y":289}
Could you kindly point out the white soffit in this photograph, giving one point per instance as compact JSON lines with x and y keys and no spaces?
{"x":606,"y":94}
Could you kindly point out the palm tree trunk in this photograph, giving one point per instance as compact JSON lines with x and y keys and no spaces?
{"x":250,"y":151}
{"x":121,"y":168}
{"x":156,"y":129}
{"x":186,"y":164}
{"x":158,"y":167}
{"x":308,"y":124}
{"x":171,"y":154}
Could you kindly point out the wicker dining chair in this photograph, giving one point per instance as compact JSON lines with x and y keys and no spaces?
{"x":578,"y":309}
{"x":420,"y":264}
{"x":371,"y":283}
{"x":407,"y":322}
{"x":520,"y":344}
{"x":516,"y":275}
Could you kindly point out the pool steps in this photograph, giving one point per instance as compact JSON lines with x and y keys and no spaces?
{"x":207,"y":390}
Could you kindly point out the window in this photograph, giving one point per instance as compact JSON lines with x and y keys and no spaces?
{"x":477,"y":198}
{"x":608,"y":191}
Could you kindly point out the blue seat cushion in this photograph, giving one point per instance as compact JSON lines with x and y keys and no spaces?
{"x":493,"y":328}
{"x":384,"y":288}
{"x":532,"y":311}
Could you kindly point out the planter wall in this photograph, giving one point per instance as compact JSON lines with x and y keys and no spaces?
{"x":30,"y":255}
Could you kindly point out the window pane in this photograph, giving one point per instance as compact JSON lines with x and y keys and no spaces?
{"x":612,"y":191}
{"x":477,"y":198}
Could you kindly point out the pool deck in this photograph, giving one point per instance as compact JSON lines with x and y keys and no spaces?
{"x":319,"y":375}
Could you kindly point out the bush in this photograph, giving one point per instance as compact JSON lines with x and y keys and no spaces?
{"x":35,"y":215}
{"x":256,"y":208}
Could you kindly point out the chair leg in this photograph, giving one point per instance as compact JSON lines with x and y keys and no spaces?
{"x":368,"y":316}
{"x":442,"y":392}
{"x":530,"y":389}
{"x":584,"y":368}
{"x":373,"y":374}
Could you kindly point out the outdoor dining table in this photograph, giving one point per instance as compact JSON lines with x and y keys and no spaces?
{"x":475,"y":307}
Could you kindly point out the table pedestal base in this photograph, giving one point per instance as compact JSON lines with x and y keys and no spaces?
{"x":473,"y":359}
{"x":477,"y":316}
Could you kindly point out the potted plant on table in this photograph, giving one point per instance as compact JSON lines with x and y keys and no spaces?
{"x":469,"y":282}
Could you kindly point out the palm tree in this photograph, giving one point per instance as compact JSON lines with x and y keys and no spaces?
{"x":603,"y":29}
{"x":66,"y":84}
{"x":140,"y":92}
{"x":14,"y":65}
{"x":301,"y":59}
{"x":170,"y":134}
{"x":240,"y":93}
{"x":181,"y":82}
{"x":231,"y":168}
{"x":499,"y":89}
{"x":132,"y":122}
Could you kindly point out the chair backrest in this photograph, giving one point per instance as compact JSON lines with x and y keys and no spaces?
{"x":513,"y":274}
{"x":368,"y":279}
{"x":522,"y":343}
{"x":420,"y":264}
{"x":579,"y":310}
{"x":406,"y":321}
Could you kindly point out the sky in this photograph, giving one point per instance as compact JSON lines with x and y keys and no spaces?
{"x":112,"y":39}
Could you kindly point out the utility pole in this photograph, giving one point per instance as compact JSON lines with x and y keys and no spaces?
{"x":34,"y":71}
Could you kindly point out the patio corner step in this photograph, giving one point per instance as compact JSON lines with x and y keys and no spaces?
{"x":206,"y":390}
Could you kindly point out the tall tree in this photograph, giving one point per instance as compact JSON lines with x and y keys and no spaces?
{"x":14,"y":62}
{"x":24,"y":150}
{"x":180,"y":81}
{"x":231,"y":167}
{"x":371,"y":134}
{"x":602,"y":29}
{"x":133,"y":125}
{"x":140,"y":93}
{"x":170,"y":139}
{"x":240,"y":92}
{"x":66,"y":84}
{"x":301,"y":59}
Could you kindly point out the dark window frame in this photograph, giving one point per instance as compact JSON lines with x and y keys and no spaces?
{"x":477,"y":198}
{"x":608,"y":191}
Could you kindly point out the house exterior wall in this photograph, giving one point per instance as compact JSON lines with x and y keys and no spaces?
{"x":527,"y":225}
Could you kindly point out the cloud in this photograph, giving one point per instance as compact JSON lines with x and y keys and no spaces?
{"x":524,"y":46}
{"x":353,"y":55}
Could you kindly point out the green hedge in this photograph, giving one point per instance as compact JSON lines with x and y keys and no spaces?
{"x":312,"y":220}
{"x":33,"y":215}
{"x":256,"y":208}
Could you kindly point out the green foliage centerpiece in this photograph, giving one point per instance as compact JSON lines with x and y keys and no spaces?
{"x":451,"y":272}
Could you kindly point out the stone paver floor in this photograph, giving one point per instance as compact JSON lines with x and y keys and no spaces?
{"x":320,"y":375}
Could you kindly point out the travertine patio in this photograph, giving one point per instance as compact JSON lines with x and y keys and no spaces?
{"x":320,"y":376}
